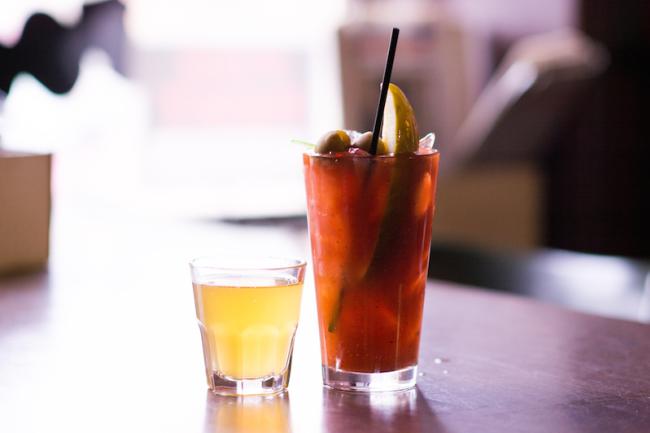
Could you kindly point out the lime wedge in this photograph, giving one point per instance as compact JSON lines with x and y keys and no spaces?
{"x":399,"y":129}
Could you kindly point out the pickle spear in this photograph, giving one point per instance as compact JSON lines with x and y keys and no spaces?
{"x":400,"y":135}
{"x":399,"y":129}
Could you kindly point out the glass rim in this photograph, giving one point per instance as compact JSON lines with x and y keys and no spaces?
{"x":312,"y":154}
{"x":246,"y":263}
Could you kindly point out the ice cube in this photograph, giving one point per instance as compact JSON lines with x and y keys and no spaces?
{"x":428,"y":141}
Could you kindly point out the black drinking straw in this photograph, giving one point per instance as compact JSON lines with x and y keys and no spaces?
{"x":384,"y":90}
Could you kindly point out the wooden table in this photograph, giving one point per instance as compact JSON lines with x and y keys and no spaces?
{"x":106,"y":340}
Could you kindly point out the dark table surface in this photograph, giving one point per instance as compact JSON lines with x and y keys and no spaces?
{"x":106,"y":340}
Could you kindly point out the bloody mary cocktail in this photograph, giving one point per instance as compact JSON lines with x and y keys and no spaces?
{"x":370,"y":228}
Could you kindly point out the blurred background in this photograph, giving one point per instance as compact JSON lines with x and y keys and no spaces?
{"x":183,"y":112}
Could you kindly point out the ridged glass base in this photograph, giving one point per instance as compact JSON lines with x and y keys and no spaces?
{"x":224,"y":385}
{"x":370,"y":382}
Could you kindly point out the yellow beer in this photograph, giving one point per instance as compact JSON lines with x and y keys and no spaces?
{"x":247,"y":324}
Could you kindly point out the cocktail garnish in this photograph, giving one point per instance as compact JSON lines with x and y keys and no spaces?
{"x":303,"y":142}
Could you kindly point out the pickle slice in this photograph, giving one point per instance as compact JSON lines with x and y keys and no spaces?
{"x":399,"y":129}
{"x":399,"y":136}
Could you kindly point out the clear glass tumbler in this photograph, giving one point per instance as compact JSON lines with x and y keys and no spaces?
{"x":248,"y":310}
{"x":370,"y":227}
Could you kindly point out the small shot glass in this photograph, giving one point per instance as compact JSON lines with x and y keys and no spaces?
{"x":247,"y":309}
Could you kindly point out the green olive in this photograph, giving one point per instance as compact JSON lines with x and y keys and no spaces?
{"x":333,"y":141}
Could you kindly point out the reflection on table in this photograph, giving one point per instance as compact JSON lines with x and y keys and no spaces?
{"x":250,"y":414}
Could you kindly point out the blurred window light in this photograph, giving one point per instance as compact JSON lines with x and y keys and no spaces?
{"x":225,"y":87}
{"x":213,"y":23}
{"x":231,"y":83}
{"x":215,"y":91}
{"x":227,"y":63}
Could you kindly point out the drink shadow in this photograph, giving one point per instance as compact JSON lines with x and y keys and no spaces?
{"x":250,"y":414}
{"x":403,"y":411}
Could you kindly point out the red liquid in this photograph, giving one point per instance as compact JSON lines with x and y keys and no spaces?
{"x":370,"y":228}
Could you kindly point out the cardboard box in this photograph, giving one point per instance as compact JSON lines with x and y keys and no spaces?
{"x":25,"y":203}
